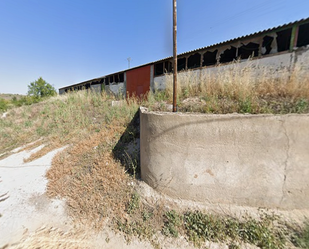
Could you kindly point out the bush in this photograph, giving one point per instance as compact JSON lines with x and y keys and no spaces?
{"x":3,"y":105}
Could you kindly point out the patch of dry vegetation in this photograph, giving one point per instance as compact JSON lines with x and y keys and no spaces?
{"x":242,"y":88}
{"x":92,"y":173}
{"x":9,"y":96}
{"x":61,"y":120}
{"x":94,"y":184}
{"x":50,"y":238}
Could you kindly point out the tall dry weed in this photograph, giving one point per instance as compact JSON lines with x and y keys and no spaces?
{"x":242,"y":87}
{"x":91,"y":180}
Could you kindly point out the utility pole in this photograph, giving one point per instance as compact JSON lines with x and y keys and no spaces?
{"x":129,"y":60}
{"x":174,"y":56}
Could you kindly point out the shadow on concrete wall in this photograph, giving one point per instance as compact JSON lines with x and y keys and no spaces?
{"x":127,"y":149}
{"x":251,"y":160}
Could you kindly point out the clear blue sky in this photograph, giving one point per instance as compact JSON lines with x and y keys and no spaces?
{"x":66,"y":41}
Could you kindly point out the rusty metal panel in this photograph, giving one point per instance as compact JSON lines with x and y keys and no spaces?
{"x":138,"y":81}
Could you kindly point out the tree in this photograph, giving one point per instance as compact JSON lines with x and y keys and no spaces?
{"x":40,"y":88}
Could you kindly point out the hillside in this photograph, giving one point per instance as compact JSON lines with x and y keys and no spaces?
{"x":98,"y":172}
{"x":9,"y":96}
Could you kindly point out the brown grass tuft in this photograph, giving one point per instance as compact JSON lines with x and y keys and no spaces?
{"x":47,"y":147}
{"x":93,"y":183}
{"x":50,"y":238}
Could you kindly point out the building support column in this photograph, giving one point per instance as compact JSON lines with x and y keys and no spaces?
{"x":294,"y":36}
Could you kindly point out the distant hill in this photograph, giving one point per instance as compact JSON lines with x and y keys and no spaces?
{"x":9,"y":96}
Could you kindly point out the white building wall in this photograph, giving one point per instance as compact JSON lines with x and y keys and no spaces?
{"x":61,"y":91}
{"x":267,"y":66}
{"x":96,"y":88}
{"x":117,"y":88}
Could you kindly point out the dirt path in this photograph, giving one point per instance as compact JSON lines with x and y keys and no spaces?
{"x":29,"y":219}
{"x":24,"y":205}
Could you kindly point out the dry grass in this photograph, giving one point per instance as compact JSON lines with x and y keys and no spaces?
{"x":90,"y":176}
{"x":10,"y":96}
{"x":234,"y":88}
{"x":48,"y":147}
{"x":61,"y":120}
{"x":242,"y":88}
{"x":50,"y":238}
{"x":93,"y":183}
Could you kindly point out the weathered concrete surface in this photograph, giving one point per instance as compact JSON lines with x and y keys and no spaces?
{"x":116,"y":88}
{"x":253,"y":160}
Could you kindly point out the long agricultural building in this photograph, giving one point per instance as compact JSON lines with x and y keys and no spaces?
{"x":278,"y":47}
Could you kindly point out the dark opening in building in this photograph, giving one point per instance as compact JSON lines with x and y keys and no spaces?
{"x":116,"y":77}
{"x":194,"y":61}
{"x":267,"y":41}
{"x":111,"y":79}
{"x":210,"y":58}
{"x":228,"y":55}
{"x":121,"y":77}
{"x":283,"y":39}
{"x":106,"y":81}
{"x":168,"y":66}
{"x":251,"y":49}
{"x":303,"y":35}
{"x":181,"y":64}
{"x":158,"y":69}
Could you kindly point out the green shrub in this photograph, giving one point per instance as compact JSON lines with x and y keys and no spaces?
{"x":172,"y":222}
{"x":301,"y":239}
{"x":3,"y":105}
{"x":133,"y":204}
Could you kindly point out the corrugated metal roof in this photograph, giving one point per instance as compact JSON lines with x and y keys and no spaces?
{"x":240,"y":38}
{"x":203,"y":48}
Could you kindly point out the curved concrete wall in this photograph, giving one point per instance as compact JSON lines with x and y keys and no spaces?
{"x":253,"y":160}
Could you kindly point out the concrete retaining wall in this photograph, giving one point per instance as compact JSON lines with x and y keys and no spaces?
{"x":253,"y":160}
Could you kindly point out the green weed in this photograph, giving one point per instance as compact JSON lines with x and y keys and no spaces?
{"x":133,"y":204}
{"x":172,"y":222}
{"x":3,"y":105}
{"x":147,"y":215}
{"x":301,"y":238}
{"x":201,"y":227}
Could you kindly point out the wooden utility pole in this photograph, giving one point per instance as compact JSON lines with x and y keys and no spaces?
{"x":174,"y":56}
